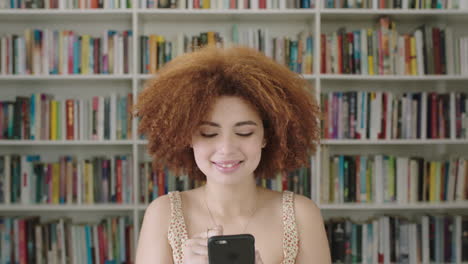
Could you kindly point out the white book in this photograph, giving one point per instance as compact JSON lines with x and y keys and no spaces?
{"x":364,"y":62}
{"x":38,"y":244}
{"x":359,"y":129}
{"x":45,"y":52}
{"x":400,"y":67}
{"x":7,"y":171}
{"x":66,"y":39}
{"x":282,"y":4}
{"x":413,"y":244}
{"x":113,"y":116}
{"x":419,"y":51}
{"x":452,"y":116}
{"x":131,"y":66}
{"x":121,"y":54}
{"x":460,"y":180}
{"x":423,"y":124}
{"x":425,"y":239}
{"x":267,"y":41}
{"x":74,"y":244}
{"x":449,"y":50}
{"x":405,"y":4}
{"x":402,"y":180}
{"x":375,"y":240}
{"x":3,"y":51}
{"x":100,"y":118}
{"x":190,"y":4}
{"x":388,"y":122}
{"x":96,"y":243}
{"x":414,"y":119}
{"x":123,"y":5}
{"x":413,"y":176}
{"x":61,"y":236}
{"x":386,"y":239}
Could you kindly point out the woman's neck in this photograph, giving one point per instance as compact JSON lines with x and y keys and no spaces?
{"x":229,"y":200}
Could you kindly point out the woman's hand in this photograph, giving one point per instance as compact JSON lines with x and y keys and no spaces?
{"x":258,"y":259}
{"x":196,"y":249}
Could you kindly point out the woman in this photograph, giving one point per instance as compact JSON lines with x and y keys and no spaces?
{"x":230,"y":116}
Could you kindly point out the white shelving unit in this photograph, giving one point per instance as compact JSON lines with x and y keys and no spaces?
{"x":169,"y":22}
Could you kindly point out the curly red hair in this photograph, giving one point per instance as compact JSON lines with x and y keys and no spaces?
{"x":173,"y":104}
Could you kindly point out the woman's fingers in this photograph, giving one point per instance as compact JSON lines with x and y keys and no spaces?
{"x":196,"y":249}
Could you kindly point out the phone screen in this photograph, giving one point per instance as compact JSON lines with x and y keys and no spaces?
{"x":233,"y":249}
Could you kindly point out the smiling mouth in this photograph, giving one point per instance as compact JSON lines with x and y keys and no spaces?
{"x":228,"y":165}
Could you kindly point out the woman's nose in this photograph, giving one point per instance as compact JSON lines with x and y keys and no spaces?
{"x":227,"y":144}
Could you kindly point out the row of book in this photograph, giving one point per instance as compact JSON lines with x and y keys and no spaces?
{"x":66,"y":52}
{"x":156,"y":50}
{"x":65,"y":4}
{"x":42,"y":117}
{"x":388,"y":115}
{"x":397,"y":4}
{"x":25,"y":179}
{"x":392,"y":179}
{"x":28,"y":240}
{"x":227,"y":4}
{"x":395,"y":239}
{"x":294,"y":52}
{"x":156,"y":183}
{"x":384,"y":51}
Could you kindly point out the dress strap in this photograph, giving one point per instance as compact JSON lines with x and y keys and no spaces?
{"x":177,"y":233}
{"x":290,"y":235}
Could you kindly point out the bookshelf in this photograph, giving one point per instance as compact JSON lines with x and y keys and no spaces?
{"x":287,"y":22}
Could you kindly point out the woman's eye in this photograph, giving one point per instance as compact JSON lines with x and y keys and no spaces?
{"x":245,"y":135}
{"x":208,"y":135}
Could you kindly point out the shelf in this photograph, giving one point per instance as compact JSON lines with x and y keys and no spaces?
{"x":66,"y":208}
{"x":63,"y":142}
{"x":64,"y":15}
{"x":94,"y":77}
{"x":226,"y":15}
{"x":459,"y":205}
{"x":348,"y":14}
{"x":393,"y":141}
{"x":358,"y":77}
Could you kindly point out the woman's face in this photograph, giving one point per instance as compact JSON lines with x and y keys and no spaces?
{"x":228,"y":144}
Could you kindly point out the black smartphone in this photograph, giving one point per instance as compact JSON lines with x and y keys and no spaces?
{"x":232,"y":249}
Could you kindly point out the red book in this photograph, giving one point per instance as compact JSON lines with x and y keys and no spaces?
{"x":23,"y":252}
{"x":436,"y":41}
{"x":102,"y":246}
{"x":160,"y":183}
{"x":262,"y":4}
{"x":323,"y":54}
{"x":340,"y":53}
{"x":383,"y":119}
{"x":119,"y":180}
{"x":69,"y":119}
{"x":71,"y":40}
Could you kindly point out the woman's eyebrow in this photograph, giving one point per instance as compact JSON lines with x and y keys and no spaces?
{"x":243,"y":123}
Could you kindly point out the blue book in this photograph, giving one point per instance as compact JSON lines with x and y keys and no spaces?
{"x":357,"y":51}
{"x":341,"y":178}
{"x":89,"y":253}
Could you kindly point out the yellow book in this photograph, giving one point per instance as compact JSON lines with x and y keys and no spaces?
{"x":85,"y":54}
{"x":55,"y":183}
{"x":414,"y":66}
{"x":211,"y":38}
{"x":432,"y":182}
{"x":370,"y":57}
{"x":161,"y":44}
{"x":206,"y":4}
{"x":53,"y":120}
